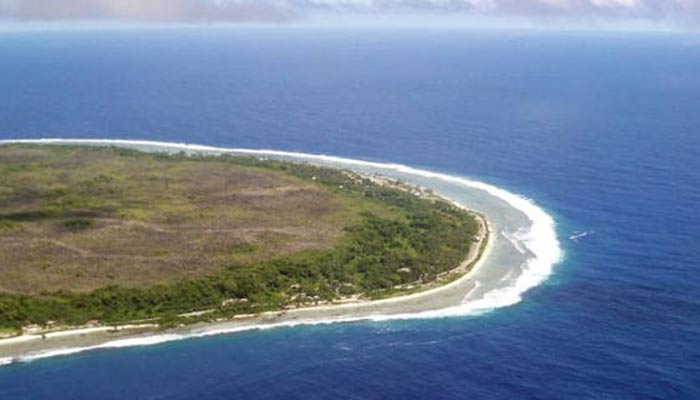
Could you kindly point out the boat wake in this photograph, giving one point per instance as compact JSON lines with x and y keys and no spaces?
{"x":577,"y":236}
{"x":536,"y":242}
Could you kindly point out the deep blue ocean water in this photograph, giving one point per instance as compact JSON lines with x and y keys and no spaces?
{"x":602,"y":130}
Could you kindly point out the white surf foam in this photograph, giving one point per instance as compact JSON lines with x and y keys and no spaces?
{"x":540,"y":240}
{"x":132,"y":342}
{"x":517,"y":243}
{"x":477,"y":286}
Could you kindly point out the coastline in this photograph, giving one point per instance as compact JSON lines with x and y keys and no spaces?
{"x":78,"y":339}
{"x":498,"y":279}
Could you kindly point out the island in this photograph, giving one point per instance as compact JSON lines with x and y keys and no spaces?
{"x":117,"y":241}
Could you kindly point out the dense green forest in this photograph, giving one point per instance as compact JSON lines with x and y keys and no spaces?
{"x":420,"y":240}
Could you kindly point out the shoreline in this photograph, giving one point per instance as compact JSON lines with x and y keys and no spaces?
{"x":29,"y":347}
{"x":18,"y":348}
{"x":481,"y":290}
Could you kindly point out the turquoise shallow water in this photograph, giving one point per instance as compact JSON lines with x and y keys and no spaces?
{"x":600,"y":130}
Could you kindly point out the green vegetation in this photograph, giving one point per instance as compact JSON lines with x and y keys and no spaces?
{"x":118,"y":235}
{"x":78,"y":224}
{"x":8,"y":225}
{"x":9,"y":332}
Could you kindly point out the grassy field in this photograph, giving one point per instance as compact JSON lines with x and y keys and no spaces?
{"x":116,"y":235}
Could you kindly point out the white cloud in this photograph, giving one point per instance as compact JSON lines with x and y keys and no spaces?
{"x":678,"y":12}
{"x":615,"y":3}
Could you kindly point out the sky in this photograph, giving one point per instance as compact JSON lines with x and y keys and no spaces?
{"x":594,"y":14}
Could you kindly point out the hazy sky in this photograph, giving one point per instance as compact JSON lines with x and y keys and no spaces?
{"x":673,"y":14}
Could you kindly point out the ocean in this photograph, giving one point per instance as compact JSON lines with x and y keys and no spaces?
{"x":600,"y":130}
